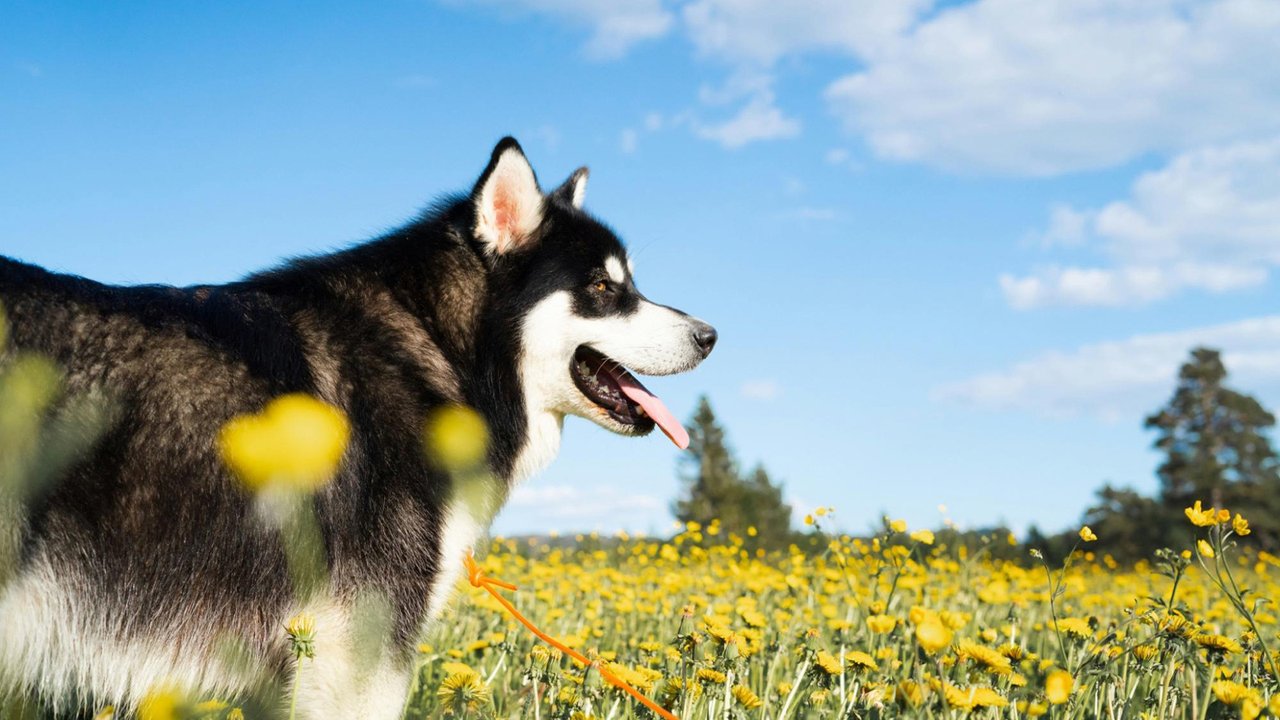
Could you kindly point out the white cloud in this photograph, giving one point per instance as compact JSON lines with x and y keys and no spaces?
{"x":628,"y":141}
{"x":758,"y":33}
{"x":1208,"y":220}
{"x":761,"y":389}
{"x":615,"y":25}
{"x":1123,"y":380}
{"x":758,"y":120}
{"x":565,"y":502}
{"x":1045,"y":87}
{"x":836,"y":156}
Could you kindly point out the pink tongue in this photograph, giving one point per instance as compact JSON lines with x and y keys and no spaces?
{"x":655,"y":409}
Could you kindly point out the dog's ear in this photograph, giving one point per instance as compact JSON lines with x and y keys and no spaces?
{"x":508,"y":202}
{"x":574,"y":189}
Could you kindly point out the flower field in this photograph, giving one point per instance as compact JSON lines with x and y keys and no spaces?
{"x":893,"y":626}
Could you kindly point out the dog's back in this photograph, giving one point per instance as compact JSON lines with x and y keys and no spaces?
{"x":142,"y":517}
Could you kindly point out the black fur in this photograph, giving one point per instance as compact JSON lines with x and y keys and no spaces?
{"x":386,"y":331}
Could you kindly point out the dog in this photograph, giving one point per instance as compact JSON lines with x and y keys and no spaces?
{"x":144,"y":556}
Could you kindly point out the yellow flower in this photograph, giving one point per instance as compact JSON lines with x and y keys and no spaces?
{"x":1204,"y":548}
{"x":1220,"y":643}
{"x":161,"y":704}
{"x":747,"y":699}
{"x":1200,"y":516}
{"x":992,"y":660}
{"x":463,"y":691}
{"x":108,"y":712}
{"x":711,"y":676}
{"x":933,"y":635}
{"x":1240,"y":525}
{"x":829,"y":664}
{"x":923,"y":536}
{"x":1058,"y":686}
{"x":808,"y":519}
{"x":1230,"y":693}
{"x":1087,"y":535}
{"x":859,"y":659}
{"x":456,"y":437}
{"x":296,"y":443}
{"x":881,"y":624}
{"x":898,"y":526}
{"x":301,"y":630}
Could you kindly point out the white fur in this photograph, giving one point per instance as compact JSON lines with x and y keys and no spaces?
{"x":333,"y":684}
{"x":509,"y":205}
{"x":613,"y":266}
{"x":579,"y":188}
{"x":654,"y":340}
{"x":50,"y":640}
{"x":475,"y":500}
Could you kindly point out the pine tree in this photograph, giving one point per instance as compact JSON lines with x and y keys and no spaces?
{"x":1216,"y":448}
{"x":712,"y":488}
{"x":709,"y":473}
{"x":765,"y":510}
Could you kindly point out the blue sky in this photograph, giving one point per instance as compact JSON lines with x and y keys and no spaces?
{"x":955,"y":251}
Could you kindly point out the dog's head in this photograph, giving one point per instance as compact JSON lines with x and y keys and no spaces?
{"x":565,"y":281}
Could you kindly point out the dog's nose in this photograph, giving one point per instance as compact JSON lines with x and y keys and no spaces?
{"x":705,"y":336}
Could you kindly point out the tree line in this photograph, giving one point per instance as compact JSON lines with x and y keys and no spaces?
{"x":1214,"y":443}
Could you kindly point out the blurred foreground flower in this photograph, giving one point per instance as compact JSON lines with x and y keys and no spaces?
{"x":933,"y":635}
{"x":163,"y":703}
{"x":1058,"y":686}
{"x":295,"y":444}
{"x":456,"y":437}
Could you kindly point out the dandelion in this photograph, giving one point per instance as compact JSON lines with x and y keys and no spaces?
{"x":828,"y":663}
{"x":295,"y":443}
{"x":990,"y":659}
{"x":1058,"y":686}
{"x":711,"y":676}
{"x":861,"y":660}
{"x":1086,"y":534}
{"x":898,"y":526}
{"x":933,"y":635}
{"x":746,"y":698}
{"x":1217,"y":643}
{"x":463,"y":691}
{"x":881,"y":624}
{"x":301,"y":630}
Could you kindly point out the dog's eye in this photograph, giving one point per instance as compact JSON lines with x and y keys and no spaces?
{"x":601,"y":286}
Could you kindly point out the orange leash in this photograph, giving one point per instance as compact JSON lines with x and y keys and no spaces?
{"x":480,"y":580}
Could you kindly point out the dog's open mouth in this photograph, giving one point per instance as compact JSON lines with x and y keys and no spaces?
{"x":608,"y":384}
